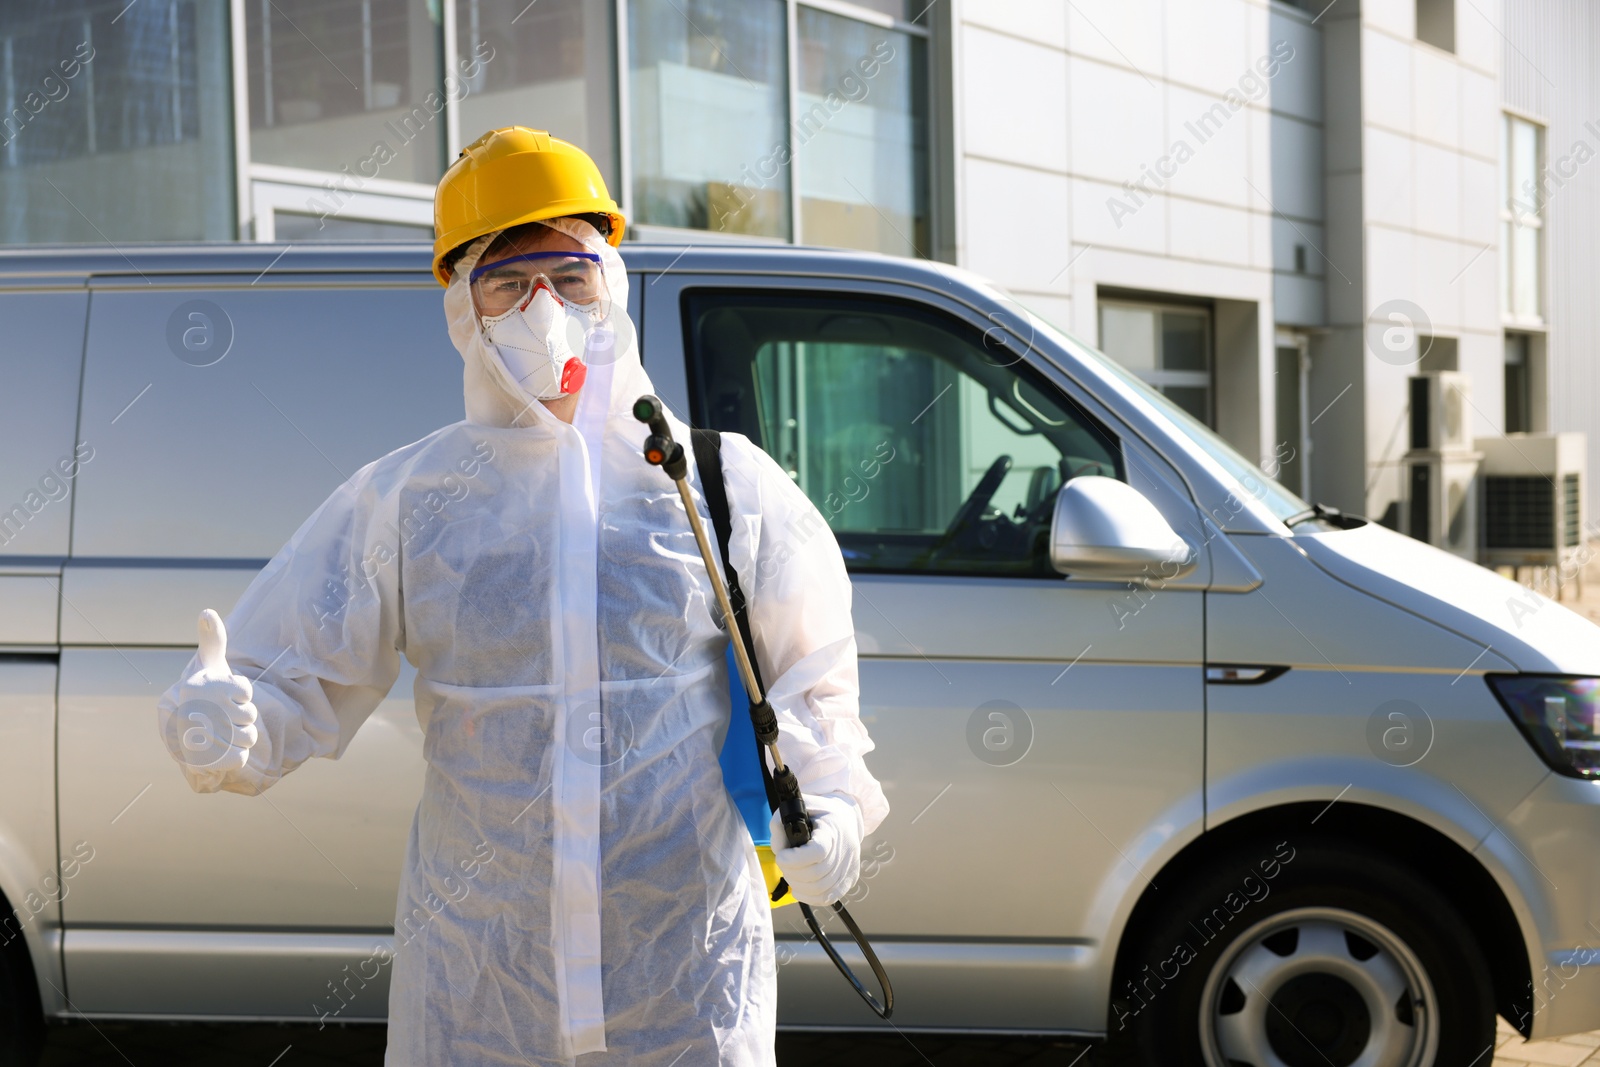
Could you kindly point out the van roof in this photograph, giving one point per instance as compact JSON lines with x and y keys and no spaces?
{"x":56,"y":265}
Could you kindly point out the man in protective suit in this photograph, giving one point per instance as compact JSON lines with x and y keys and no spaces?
{"x":578,"y":886}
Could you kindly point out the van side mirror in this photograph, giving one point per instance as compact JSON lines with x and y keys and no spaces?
{"x":1103,"y":528}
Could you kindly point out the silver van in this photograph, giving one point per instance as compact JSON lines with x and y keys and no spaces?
{"x":1174,"y":756}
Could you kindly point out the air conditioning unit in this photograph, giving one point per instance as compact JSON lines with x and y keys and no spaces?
{"x":1441,"y":413}
{"x":1441,"y":500}
{"x":1440,"y":504}
{"x":1532,"y":499}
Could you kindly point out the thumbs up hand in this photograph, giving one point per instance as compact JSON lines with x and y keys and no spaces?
{"x":215,"y":724}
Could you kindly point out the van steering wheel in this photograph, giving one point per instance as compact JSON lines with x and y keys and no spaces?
{"x":972,"y":508}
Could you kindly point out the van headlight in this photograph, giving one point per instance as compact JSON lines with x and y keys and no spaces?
{"x":1558,"y":717}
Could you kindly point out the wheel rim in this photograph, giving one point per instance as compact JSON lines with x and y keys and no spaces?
{"x":1318,"y":987}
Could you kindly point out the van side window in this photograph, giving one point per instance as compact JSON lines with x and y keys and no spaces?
{"x":923,"y":447}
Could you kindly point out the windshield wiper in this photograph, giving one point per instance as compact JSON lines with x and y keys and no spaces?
{"x":1328,"y":514}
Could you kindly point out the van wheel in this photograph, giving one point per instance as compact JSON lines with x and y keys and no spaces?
{"x":21,"y":1014}
{"x":1342,"y":957}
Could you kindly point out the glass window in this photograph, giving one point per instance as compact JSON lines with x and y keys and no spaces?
{"x":1184,"y":341}
{"x":1130,"y":332}
{"x":1169,"y":347}
{"x":1522,"y":219}
{"x":922,"y":450}
{"x":1525,"y":270}
{"x":1523,"y":150}
{"x":710,"y":149}
{"x":293,"y":227}
{"x":332,"y":80}
{"x":900,"y":10}
{"x":116,"y":124}
{"x":550,"y":65}
{"x":859,"y":135}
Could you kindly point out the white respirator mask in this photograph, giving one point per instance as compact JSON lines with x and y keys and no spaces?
{"x":534,"y":342}
{"x":544,"y":315}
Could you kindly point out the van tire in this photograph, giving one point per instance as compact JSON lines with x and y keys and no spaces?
{"x":1373,"y":921}
{"x":22,"y":1030}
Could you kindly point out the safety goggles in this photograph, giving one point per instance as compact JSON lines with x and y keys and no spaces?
{"x":571,"y":277}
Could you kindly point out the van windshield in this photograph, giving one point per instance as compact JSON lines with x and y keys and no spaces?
{"x":1251,"y":480}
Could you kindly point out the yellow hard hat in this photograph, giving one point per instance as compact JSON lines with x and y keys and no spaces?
{"x":510,"y":176}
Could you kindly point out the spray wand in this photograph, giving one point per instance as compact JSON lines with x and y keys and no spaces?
{"x":660,"y":450}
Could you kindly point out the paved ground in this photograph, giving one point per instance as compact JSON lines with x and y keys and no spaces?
{"x":1568,"y":1052}
{"x":195,"y":1045}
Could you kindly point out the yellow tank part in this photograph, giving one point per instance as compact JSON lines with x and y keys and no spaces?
{"x":769,"y":868}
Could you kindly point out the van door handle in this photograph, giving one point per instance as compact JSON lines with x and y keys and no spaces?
{"x":1242,"y":673}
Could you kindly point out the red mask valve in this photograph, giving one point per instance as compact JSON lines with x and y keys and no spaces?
{"x":572,"y":375}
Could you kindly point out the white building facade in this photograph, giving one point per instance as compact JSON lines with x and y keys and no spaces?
{"x":1238,"y":190}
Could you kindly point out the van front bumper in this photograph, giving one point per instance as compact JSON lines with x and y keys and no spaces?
{"x":1549,"y":847}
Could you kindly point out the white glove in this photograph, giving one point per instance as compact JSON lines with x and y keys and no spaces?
{"x":826,"y":868}
{"x":215,"y":724}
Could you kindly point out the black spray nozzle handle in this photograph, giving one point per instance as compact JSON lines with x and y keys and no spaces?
{"x":797,"y":822}
{"x":650,"y":409}
{"x":660,"y":450}
{"x":657,"y":449}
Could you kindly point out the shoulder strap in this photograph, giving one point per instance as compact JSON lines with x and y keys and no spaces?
{"x":708,"y":460}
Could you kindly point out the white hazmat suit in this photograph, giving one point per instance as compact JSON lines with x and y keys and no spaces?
{"x":578,"y":883}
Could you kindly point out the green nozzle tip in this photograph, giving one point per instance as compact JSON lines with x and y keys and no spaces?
{"x":643,"y":409}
